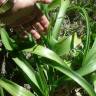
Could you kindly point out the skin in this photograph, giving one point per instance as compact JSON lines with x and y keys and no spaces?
{"x":25,"y":15}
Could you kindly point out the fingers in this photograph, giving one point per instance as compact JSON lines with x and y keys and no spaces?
{"x":38,"y":27}
{"x":41,"y":26}
{"x":35,"y":34}
{"x":44,"y":22}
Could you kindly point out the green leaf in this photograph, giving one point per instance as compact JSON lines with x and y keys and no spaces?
{"x":88,"y":32}
{"x":77,"y":41}
{"x":27,"y":69}
{"x":64,"y":5}
{"x":63,"y":8}
{"x":5,"y":39}
{"x":1,"y":91}
{"x":89,"y":63}
{"x":45,"y":52}
{"x":83,"y":12}
{"x":63,"y":46}
{"x":59,"y":65}
{"x":54,"y":4}
{"x":93,"y":80}
{"x":76,"y":77}
{"x":14,"y":89}
{"x":42,"y":80}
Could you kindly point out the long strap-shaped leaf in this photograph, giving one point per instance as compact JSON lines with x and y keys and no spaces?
{"x":86,"y":17}
{"x":89,"y":63}
{"x":8,"y":42}
{"x":35,"y":78}
{"x":5,"y":39}
{"x":60,"y":17}
{"x":28,"y":70}
{"x":63,"y":8}
{"x":20,"y":61}
{"x":14,"y":89}
{"x":44,"y":52}
{"x":1,"y":91}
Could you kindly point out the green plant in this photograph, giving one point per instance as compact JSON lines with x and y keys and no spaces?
{"x":48,"y":66}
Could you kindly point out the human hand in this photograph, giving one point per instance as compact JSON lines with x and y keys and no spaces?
{"x":27,"y":16}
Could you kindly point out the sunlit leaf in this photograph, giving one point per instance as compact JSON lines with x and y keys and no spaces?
{"x":89,"y":63}
{"x":42,"y":80}
{"x":77,"y":41}
{"x":27,"y":69}
{"x":1,"y":91}
{"x":14,"y":89}
{"x":44,"y":52}
{"x":5,"y":39}
{"x":54,"y":4}
{"x":63,"y":46}
{"x":64,"y":4}
{"x":8,"y":42}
